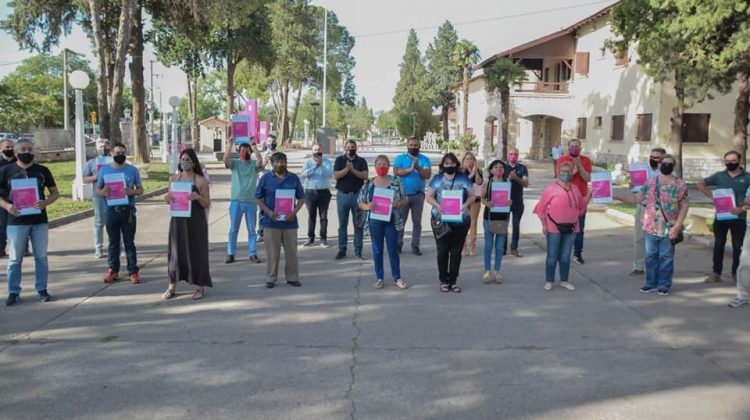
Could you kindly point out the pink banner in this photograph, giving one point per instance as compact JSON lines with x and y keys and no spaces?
{"x":264,"y":131}
{"x":500,"y":198}
{"x":724,"y":204}
{"x":251,"y":110}
{"x":24,"y":198}
{"x":240,"y":129}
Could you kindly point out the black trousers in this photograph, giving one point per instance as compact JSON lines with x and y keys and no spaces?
{"x":516,"y":211}
{"x":721,"y":227}
{"x":317,"y":202}
{"x":449,"y":252}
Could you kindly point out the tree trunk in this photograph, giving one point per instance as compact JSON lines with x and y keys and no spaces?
{"x":141,"y":145}
{"x":284,"y":120}
{"x":193,"y":102}
{"x":444,"y":118}
{"x":231,"y":65}
{"x":504,"y":116}
{"x":466,"y":99}
{"x":102,"y":86}
{"x":123,"y":40}
{"x":677,"y":112}
{"x":296,"y":108}
{"x":741,"y":109}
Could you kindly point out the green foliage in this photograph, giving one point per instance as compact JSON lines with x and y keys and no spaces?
{"x":502,"y":74}
{"x":38,"y":25}
{"x":467,"y":140}
{"x":293,"y":40}
{"x":417,"y":122}
{"x":412,"y":83}
{"x":466,"y":55}
{"x":386,"y":121}
{"x":442,"y":71}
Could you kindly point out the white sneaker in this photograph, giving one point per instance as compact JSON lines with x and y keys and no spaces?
{"x":498,"y":277}
{"x":547,"y":285}
{"x":737,"y":303}
{"x":98,"y":255}
{"x":487,"y":277}
{"x":567,"y":286}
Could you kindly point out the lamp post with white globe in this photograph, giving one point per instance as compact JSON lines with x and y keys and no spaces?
{"x":79,"y":80}
{"x":174,"y":102}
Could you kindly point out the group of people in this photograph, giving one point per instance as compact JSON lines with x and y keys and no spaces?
{"x":257,"y":180}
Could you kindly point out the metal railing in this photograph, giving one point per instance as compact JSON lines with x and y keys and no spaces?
{"x":543,"y":87}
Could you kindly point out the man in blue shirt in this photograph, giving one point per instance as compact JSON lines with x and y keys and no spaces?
{"x":120,"y":219}
{"x":280,"y":229}
{"x":413,"y":168}
{"x":317,"y":173}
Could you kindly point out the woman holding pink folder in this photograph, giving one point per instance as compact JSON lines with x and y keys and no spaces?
{"x":494,"y":220}
{"x":187,"y":250}
{"x":382,"y":196}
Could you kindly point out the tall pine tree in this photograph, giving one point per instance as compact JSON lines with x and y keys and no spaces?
{"x":442,"y":71}
{"x":411,"y":86}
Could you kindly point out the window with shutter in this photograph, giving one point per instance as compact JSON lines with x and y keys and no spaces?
{"x":581,"y":128}
{"x":582,"y":63}
{"x":695,"y":128}
{"x":643,"y":131}
{"x":618,"y":127}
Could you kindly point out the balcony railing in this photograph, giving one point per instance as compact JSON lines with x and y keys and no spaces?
{"x":543,"y":87}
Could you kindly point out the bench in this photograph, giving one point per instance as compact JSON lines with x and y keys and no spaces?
{"x":701,"y":218}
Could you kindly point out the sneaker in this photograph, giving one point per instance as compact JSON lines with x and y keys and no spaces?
{"x":13,"y":298}
{"x":737,"y":303}
{"x":636,"y":272}
{"x":663,"y":292}
{"x":416,"y":251}
{"x":260,"y":239}
{"x":578,"y":259}
{"x":360,"y":256}
{"x":487,"y":277}
{"x":309,"y":243}
{"x":548,"y":285}
{"x":647,"y":289}
{"x":340,"y":255}
{"x":111,"y":276}
{"x":254,"y":259}
{"x":516,"y":253}
{"x":324,"y":243}
{"x":98,"y":254}
{"x":43,"y":296}
{"x":294,"y":283}
{"x":567,"y":286}
{"x":229,"y":259}
{"x":498,"y":277}
{"x":135,"y":278}
{"x":712,"y":278}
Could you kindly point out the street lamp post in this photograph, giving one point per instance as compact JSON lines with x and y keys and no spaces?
{"x":174,"y":102}
{"x":79,"y":80}
{"x":315,"y":106}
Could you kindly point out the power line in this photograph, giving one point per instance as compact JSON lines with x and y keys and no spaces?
{"x":469,"y":22}
{"x":8,"y":64}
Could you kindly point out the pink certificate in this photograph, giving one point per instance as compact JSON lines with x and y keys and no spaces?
{"x":283,"y":203}
{"x":723,"y":204}
{"x":25,"y":194}
{"x":451,"y":203}
{"x":180,"y":191}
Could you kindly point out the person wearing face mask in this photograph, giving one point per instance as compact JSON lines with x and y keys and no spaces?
{"x":242,"y":198}
{"x":557,"y":152}
{"x":317,"y":173}
{"x":90,"y":176}
{"x":413,"y":168}
{"x":270,"y":146}
{"x":582,"y":168}
{"x":738,"y":180}
{"x":667,"y":202}
{"x":518,"y":175}
{"x":492,"y":240}
{"x":120,"y":219}
{"x":639,"y":237}
{"x":187,"y":248}
{"x":471,"y":168}
{"x":22,"y":228}
{"x":7,"y":157}
{"x":280,"y":229}
{"x":350,"y":171}
{"x":559,"y":210}
{"x":381,"y":230}
{"x":450,"y":245}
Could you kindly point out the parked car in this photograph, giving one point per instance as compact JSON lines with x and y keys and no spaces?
{"x":29,"y":137}
{"x":8,"y":136}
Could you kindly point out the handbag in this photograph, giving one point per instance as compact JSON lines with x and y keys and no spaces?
{"x":499,"y":227}
{"x":439,"y":229}
{"x":680,"y":236}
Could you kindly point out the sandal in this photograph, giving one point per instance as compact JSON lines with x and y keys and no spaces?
{"x":169,"y":294}
{"x":198,"y":295}
{"x":445,"y":288}
{"x":455,"y":288}
{"x":400,"y":284}
{"x":379,"y":284}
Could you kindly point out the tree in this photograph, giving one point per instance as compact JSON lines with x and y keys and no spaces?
{"x":466,"y":56}
{"x":442,"y":72}
{"x":413,"y":78}
{"x":141,"y":144}
{"x":418,"y":122}
{"x":386,"y":121}
{"x":500,"y":76}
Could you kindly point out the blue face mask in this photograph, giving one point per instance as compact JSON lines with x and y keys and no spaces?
{"x":565,"y":177}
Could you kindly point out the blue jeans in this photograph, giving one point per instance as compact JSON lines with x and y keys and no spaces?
{"x":18,"y":237}
{"x":558,"y":252}
{"x":493,"y":241}
{"x":659,"y":262}
{"x":346,"y":204}
{"x":236,"y":210}
{"x":380,"y":230}
{"x":578,"y":246}
{"x":121,"y":224}
{"x":100,"y":212}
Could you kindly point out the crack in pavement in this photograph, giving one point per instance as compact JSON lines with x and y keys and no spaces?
{"x":355,"y":346}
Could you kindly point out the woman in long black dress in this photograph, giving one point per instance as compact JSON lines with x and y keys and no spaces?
{"x":187,"y":252}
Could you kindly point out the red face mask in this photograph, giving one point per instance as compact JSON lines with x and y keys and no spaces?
{"x":381,"y":170}
{"x":243,"y":154}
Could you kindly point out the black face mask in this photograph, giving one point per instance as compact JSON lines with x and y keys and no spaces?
{"x":273,"y":146}
{"x":666,"y":168}
{"x":654,"y":163}
{"x":414,"y":151}
{"x":281,"y":170}
{"x":450,"y":170}
{"x":351,"y":153}
{"x":317,"y":155}
{"x":732,"y":166}
{"x":119,"y":159}
{"x":8,"y":153}
{"x":26,"y":157}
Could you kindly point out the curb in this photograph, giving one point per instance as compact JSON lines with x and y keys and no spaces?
{"x":61,"y":221}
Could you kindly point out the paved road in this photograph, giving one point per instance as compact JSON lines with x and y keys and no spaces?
{"x":337,"y":348}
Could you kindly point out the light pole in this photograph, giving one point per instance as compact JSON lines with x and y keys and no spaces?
{"x":174,"y":102}
{"x":79,"y":80}
{"x":315,"y":106}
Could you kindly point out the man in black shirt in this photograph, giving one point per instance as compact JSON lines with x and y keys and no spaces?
{"x":7,"y":157}
{"x":350,"y":172}
{"x":518,"y":175}
{"x":24,"y":222}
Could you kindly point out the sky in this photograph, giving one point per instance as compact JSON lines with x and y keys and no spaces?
{"x":380,"y":28}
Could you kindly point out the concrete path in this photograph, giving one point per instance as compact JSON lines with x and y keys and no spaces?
{"x":337,"y":348}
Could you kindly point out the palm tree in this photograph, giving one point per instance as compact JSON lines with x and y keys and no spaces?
{"x":501,"y":75}
{"x":466,"y":55}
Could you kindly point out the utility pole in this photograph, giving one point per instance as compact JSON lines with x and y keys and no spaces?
{"x":325,"y":62}
{"x":151,"y":109}
{"x":66,"y":110}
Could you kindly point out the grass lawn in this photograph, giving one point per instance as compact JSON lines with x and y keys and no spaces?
{"x":65,"y":173}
